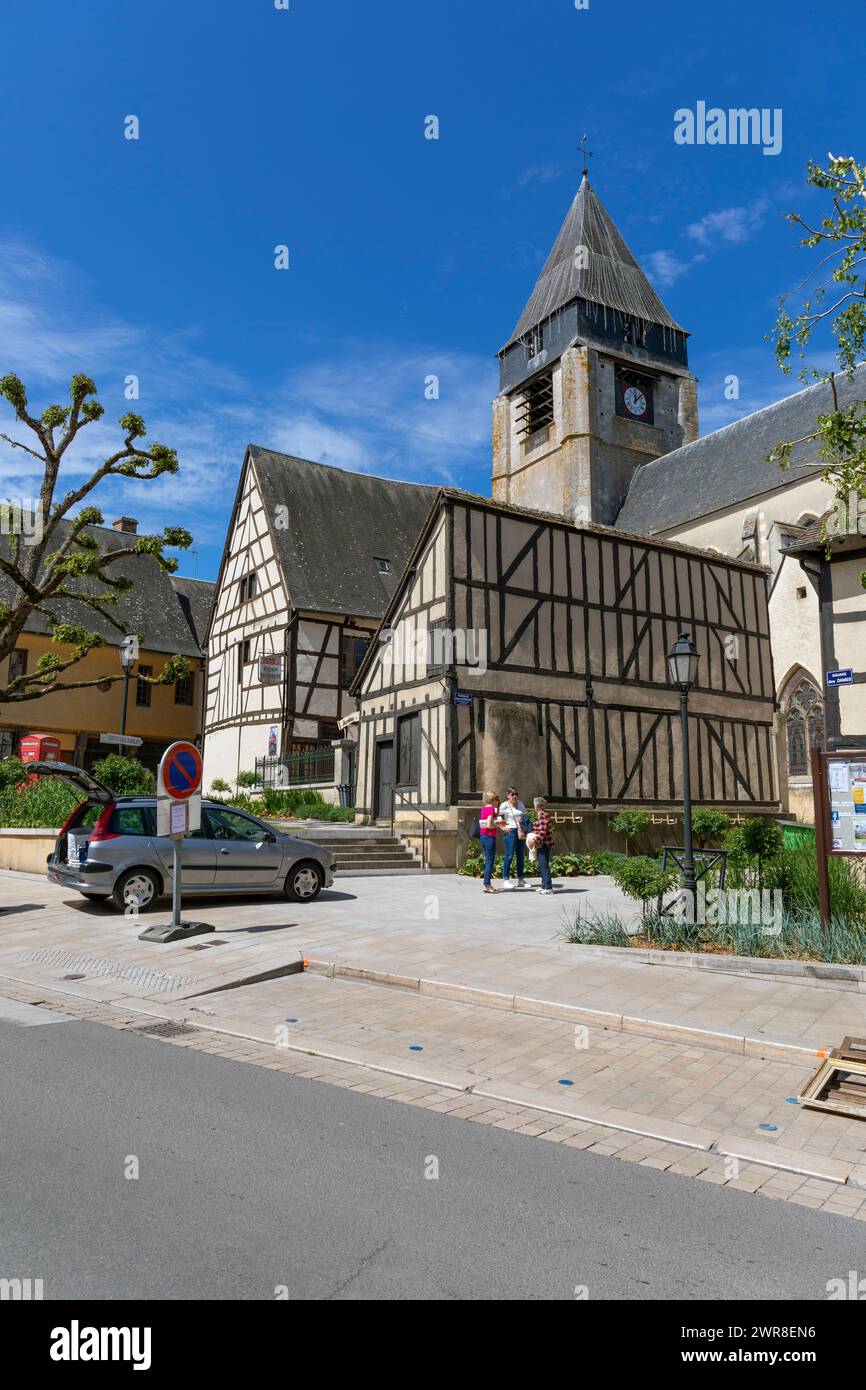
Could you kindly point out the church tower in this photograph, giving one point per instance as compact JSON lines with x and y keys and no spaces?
{"x":594,"y":380}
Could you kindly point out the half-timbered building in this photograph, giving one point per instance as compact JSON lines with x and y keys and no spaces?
{"x":522,"y":649}
{"x":312,"y":556}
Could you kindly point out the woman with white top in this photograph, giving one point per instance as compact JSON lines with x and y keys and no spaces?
{"x":511,"y":815}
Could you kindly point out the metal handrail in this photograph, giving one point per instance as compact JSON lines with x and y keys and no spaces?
{"x":425,"y":821}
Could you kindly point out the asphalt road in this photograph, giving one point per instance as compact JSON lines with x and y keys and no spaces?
{"x":250,"y":1180}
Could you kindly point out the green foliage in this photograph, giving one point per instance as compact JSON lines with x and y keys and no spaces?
{"x":124,"y":776}
{"x":219,"y":786}
{"x":43,"y":803}
{"x":295,"y":803}
{"x":245,"y":779}
{"x":753,"y":848}
{"x":640,"y":877}
{"x":566,"y":865}
{"x":12,"y":771}
{"x":630,"y":824}
{"x":709,"y":825}
{"x":836,"y":302}
{"x":594,"y":929}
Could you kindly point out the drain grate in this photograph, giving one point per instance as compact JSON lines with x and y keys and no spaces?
{"x":167,"y":1029}
{"x":75,"y":977}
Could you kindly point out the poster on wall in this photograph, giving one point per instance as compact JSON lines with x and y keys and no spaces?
{"x":272,"y":741}
{"x":846,"y":780}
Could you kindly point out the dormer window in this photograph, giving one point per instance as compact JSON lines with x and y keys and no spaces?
{"x":534,"y":342}
{"x":383,"y":564}
{"x":634,"y":332}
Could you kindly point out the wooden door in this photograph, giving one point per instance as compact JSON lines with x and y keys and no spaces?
{"x":384,"y":779}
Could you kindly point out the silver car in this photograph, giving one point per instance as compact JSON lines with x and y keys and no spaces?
{"x":109,"y":848}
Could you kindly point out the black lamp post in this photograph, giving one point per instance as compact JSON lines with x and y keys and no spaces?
{"x":128,"y":658}
{"x":683,"y":670}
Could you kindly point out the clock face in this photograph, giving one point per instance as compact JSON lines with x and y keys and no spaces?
{"x":634,"y":400}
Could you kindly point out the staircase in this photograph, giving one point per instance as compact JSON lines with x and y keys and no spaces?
{"x":364,"y":850}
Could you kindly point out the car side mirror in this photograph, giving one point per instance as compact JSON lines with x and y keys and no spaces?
{"x":268,"y":838}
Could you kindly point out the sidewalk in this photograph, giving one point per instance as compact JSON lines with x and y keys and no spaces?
{"x":429,"y":981}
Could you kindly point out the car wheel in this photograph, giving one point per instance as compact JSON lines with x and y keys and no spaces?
{"x":138,"y":888}
{"x":304,"y":882}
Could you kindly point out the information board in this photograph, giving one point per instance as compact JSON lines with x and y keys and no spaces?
{"x":846,"y":784}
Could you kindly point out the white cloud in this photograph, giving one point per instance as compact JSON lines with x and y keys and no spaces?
{"x":537,"y":174}
{"x":665,"y":267}
{"x":728,"y":224}
{"x":364,"y":411}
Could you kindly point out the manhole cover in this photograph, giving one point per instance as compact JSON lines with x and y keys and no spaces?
{"x":167,"y":1030}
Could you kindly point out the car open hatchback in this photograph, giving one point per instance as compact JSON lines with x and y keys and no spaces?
{"x":109,"y":848}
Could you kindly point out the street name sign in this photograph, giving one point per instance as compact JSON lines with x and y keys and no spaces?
{"x":121,"y":740}
{"x":843,"y":677}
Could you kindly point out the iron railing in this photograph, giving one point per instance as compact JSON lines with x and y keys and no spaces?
{"x":425,"y":821}
{"x":299,"y":769}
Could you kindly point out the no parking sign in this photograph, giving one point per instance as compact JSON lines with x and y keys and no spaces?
{"x":180,"y":771}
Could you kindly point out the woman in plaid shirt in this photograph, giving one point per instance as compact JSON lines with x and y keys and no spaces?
{"x":543,"y":843}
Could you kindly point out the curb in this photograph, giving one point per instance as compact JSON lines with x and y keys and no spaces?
{"x":544,"y":1008}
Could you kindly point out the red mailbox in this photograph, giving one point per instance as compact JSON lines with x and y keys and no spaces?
{"x":39,"y":748}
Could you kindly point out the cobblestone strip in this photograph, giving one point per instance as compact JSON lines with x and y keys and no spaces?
{"x":821,"y":1195}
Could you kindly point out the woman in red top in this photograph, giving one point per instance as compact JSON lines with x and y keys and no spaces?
{"x":543,"y":832}
{"x":489,"y":819}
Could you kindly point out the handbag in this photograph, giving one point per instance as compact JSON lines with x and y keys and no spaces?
{"x":475,"y":829}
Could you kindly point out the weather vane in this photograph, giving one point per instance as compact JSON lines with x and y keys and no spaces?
{"x":586,"y":154}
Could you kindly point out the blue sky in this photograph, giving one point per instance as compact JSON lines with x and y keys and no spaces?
{"x":305,"y":127}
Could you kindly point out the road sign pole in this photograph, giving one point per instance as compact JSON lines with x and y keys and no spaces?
{"x":175,"y":887}
{"x":178,"y":813}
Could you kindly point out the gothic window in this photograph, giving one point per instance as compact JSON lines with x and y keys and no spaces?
{"x":804,"y":724}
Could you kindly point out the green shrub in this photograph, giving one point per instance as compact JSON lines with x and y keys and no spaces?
{"x":219,"y":787}
{"x":124,"y":776}
{"x":246,"y":779}
{"x":597,"y":929}
{"x":709,"y":825}
{"x":12,"y":771}
{"x":42,"y":804}
{"x":630,"y":824}
{"x":640,"y":877}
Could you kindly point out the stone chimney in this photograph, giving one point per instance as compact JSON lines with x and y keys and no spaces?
{"x":125,"y":523}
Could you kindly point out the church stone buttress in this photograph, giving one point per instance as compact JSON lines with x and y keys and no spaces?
{"x":594,"y":380}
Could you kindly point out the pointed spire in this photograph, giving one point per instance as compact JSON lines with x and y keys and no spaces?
{"x":591,"y":261}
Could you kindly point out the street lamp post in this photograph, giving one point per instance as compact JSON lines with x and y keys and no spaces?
{"x":683,"y":668}
{"x":128,"y":658}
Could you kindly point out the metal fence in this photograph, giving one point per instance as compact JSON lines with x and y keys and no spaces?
{"x":301,"y":769}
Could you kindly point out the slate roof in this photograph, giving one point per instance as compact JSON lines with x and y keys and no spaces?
{"x":338,"y":524}
{"x":150,"y":609}
{"x":610,"y":277}
{"x":195,"y":597}
{"x":729,"y":466}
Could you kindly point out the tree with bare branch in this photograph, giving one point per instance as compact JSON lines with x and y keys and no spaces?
{"x":51,"y":555}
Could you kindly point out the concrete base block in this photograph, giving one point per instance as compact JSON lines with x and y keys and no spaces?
{"x":170,"y":933}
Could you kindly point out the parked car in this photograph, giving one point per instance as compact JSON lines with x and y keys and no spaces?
{"x":109,"y":848}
